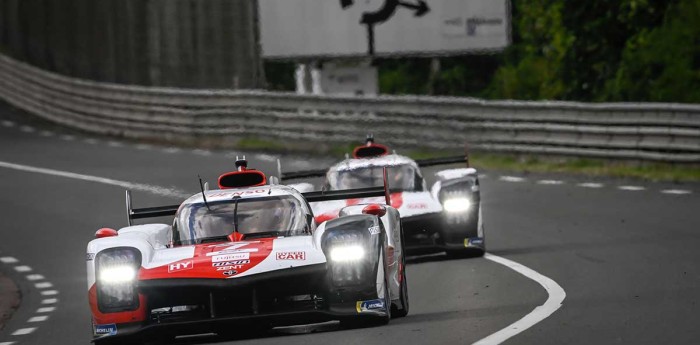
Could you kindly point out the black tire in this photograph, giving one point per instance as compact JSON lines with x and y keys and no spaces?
{"x":403,"y":297}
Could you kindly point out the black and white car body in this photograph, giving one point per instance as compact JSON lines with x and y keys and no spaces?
{"x":445,"y":217}
{"x":246,"y":256}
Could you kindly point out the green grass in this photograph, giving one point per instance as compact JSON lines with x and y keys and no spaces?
{"x":586,"y":166}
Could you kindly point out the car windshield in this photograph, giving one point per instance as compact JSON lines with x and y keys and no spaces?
{"x":400,"y":178}
{"x":269,"y":216}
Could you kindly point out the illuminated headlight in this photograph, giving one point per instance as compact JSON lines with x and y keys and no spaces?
{"x":117,"y":274}
{"x":457,"y":205}
{"x":347,"y":253}
{"x":117,"y":270}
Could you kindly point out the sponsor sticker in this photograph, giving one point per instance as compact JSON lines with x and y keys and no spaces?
{"x":180,"y":266}
{"x":291,"y":255}
{"x":374,"y":230}
{"x":418,"y":206}
{"x":473,"y":242}
{"x":230,"y":263}
{"x":90,"y":256}
{"x":110,"y":329}
{"x":230,"y":257}
{"x":233,"y":249}
{"x":229,"y":273}
{"x":228,"y":268}
{"x":374,"y":304}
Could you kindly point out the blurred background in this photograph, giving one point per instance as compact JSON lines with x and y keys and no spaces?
{"x":628,"y":50}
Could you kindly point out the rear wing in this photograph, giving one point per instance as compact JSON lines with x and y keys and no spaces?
{"x":147,"y":212}
{"x":302,"y":174}
{"x":293,"y":175}
{"x":443,"y":161}
{"x":358,"y":193}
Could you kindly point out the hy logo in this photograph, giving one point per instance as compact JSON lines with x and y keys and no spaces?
{"x":180,"y":266}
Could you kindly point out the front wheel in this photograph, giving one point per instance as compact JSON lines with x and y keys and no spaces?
{"x":373,"y":320}
{"x":403,"y":298}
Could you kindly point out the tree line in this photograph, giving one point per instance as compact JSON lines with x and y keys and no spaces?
{"x":579,"y":50}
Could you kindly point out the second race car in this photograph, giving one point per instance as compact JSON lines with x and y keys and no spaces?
{"x":446,"y":217}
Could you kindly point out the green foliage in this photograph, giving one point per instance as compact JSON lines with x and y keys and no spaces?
{"x":662,"y":64}
{"x":280,"y":76}
{"x":405,"y":76}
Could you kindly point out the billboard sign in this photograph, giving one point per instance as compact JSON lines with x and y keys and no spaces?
{"x":297,"y":29}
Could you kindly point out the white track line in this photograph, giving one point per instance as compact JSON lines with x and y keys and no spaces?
{"x":46,"y":134}
{"x":27,"y":129}
{"x":511,"y":178}
{"x":49,"y":301}
{"x":202,"y":152}
{"x":24,"y":331}
{"x":7,"y":343}
{"x":115,"y":144}
{"x":553,"y":302}
{"x":35,"y":277}
{"x":676,"y":191}
{"x":550,"y":182}
{"x":45,"y":310}
{"x":171,"y":150}
{"x":43,"y":285}
{"x":49,"y":293}
{"x":143,"y":147}
{"x":631,"y":188}
{"x":8,"y":260}
{"x":68,"y":137}
{"x":266,"y":157}
{"x":590,"y":185}
{"x":128,"y":185}
{"x":8,"y":123}
{"x":40,"y":318}
{"x":23,"y":269}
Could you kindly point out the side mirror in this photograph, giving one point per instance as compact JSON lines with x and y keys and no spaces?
{"x":374,"y":209}
{"x":106,"y":232}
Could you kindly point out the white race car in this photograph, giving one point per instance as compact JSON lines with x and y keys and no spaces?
{"x":446,"y":217}
{"x":248,"y":256}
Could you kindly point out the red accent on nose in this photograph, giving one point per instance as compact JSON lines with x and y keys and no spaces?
{"x":236,"y":236}
{"x":106,"y":232}
{"x":375,"y":209}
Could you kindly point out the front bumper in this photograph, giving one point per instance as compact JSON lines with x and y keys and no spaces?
{"x":431,"y":233}
{"x":285,"y":297}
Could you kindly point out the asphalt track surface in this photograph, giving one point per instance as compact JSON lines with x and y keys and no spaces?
{"x":625,"y":252}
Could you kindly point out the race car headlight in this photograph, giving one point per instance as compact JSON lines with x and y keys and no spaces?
{"x":347,"y":253}
{"x":116,"y":271}
{"x":117,"y":274}
{"x":457,"y":205}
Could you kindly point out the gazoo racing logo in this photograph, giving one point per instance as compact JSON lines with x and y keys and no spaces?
{"x":180,"y":266}
{"x":291,"y":255}
{"x":230,"y":265}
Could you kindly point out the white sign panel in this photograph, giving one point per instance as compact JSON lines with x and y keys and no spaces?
{"x":349,"y":81}
{"x":318,"y":28}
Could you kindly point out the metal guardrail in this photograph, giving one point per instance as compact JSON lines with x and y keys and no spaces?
{"x":641,"y":131}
